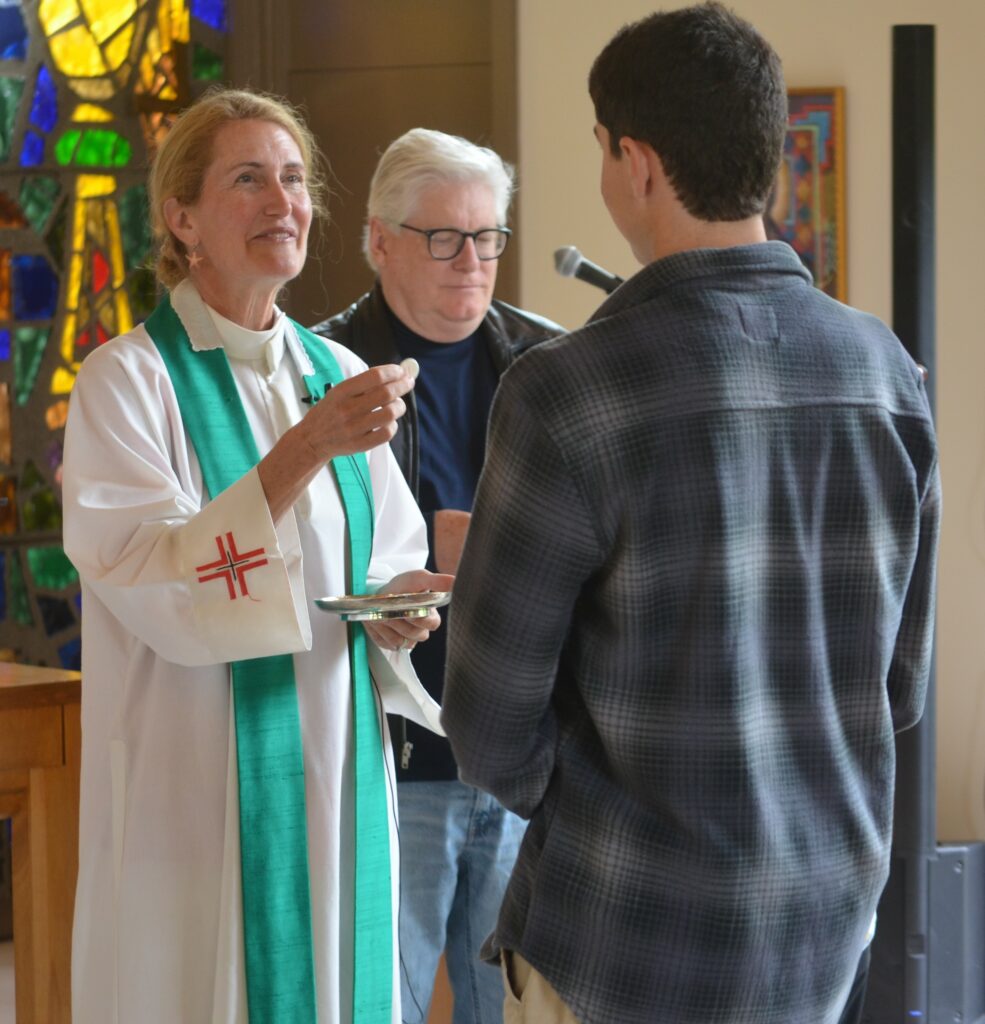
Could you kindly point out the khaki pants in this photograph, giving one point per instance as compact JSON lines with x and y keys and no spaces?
{"x":530,"y":999}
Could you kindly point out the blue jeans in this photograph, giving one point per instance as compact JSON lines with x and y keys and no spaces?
{"x":457,"y":848}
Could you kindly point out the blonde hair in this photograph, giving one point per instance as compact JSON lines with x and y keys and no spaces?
{"x":422,"y":158}
{"x":186,"y":153}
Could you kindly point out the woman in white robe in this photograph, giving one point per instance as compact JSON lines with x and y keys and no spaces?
{"x":158,"y":935}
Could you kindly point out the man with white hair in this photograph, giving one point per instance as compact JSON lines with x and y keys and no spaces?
{"x":436,"y":226}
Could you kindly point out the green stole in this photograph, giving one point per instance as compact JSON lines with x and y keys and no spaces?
{"x":280,"y":975}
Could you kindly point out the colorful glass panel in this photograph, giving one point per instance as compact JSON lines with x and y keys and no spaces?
{"x":6,"y":440}
{"x":35,"y":287}
{"x":90,"y":112}
{"x":75,"y":52}
{"x":70,"y":655}
{"x":92,"y":88}
{"x":41,"y":511}
{"x":93,"y":147}
{"x":207,"y":65}
{"x":29,"y":344}
{"x":13,"y":32}
{"x":31,"y":477}
{"x":20,"y":601}
{"x":4,"y":284}
{"x":56,"y":416}
{"x":101,"y":73}
{"x":50,"y":567}
{"x":38,"y":196}
{"x":32,"y":149}
{"x":212,"y":12}
{"x":11,"y":90}
{"x":106,"y":16}
{"x":56,"y":614}
{"x":8,"y":505}
{"x":44,"y":108}
{"x":10,"y":213}
{"x":54,"y":15}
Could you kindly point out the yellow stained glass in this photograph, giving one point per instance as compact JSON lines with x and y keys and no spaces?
{"x":68,"y":338}
{"x":91,"y":185}
{"x":107,"y":318}
{"x":179,"y":21}
{"x":115,"y":245}
{"x":75,"y":52}
{"x":62,"y":381}
{"x":54,"y":15}
{"x":92,"y":88}
{"x":56,"y":415}
{"x":83,"y":309}
{"x":90,"y":112}
{"x":95,"y":222}
{"x":117,"y":49}
{"x":6,"y":447}
{"x":124,"y":318}
{"x":74,"y":279}
{"x":106,"y":16}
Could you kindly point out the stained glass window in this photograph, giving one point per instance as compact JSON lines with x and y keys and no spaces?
{"x":81,"y":110}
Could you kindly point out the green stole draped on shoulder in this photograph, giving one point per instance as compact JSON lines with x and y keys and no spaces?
{"x":280,"y":972}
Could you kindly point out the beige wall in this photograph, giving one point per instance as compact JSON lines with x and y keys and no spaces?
{"x":843,"y":42}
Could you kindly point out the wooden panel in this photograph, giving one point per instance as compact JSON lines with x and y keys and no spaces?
{"x":355,"y":115}
{"x":32,"y":737}
{"x":389,"y":33}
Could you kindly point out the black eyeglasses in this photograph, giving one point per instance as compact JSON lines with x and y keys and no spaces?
{"x":447,"y":243}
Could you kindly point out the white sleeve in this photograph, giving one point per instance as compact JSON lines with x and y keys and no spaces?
{"x":198,"y":582}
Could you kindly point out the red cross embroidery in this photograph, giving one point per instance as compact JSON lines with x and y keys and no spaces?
{"x":231,"y":566}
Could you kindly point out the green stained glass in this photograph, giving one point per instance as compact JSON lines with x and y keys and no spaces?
{"x":56,"y":236}
{"x":142,"y":286}
{"x":51,"y":568}
{"x":38,"y":197}
{"x":134,"y":226}
{"x":17,"y":596}
{"x":11,"y":90}
{"x":206,"y":64}
{"x":29,"y":344}
{"x":42,"y":512}
{"x":93,"y":147}
{"x":31,"y":478}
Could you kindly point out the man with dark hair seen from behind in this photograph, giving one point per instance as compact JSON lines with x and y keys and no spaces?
{"x":696,"y":599}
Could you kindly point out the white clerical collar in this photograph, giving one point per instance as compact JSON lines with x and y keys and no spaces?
{"x":208,"y":329}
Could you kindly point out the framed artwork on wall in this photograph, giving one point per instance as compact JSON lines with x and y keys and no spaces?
{"x":807,"y":206}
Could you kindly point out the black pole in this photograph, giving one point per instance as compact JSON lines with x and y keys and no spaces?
{"x":898,"y":987}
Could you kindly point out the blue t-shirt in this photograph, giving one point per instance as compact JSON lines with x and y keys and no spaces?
{"x":453,"y":393}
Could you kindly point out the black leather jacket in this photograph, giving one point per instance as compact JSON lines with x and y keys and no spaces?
{"x":365,"y":329}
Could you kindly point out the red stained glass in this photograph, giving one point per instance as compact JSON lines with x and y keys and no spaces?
{"x":10,"y":213}
{"x":100,"y":272}
{"x":101,"y":336}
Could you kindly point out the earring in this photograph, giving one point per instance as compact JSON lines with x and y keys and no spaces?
{"x":193,"y":256}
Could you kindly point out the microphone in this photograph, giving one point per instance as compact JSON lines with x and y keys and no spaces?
{"x":569,"y":262}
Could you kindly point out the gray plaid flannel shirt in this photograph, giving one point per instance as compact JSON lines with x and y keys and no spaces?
{"x":695,"y":603}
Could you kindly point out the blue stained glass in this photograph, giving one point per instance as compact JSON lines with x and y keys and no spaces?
{"x":71,"y":655}
{"x":4,"y":344}
{"x":44,"y":109}
{"x":32,"y":152}
{"x":35,"y":288}
{"x":13,"y":32}
{"x":212,"y":12}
